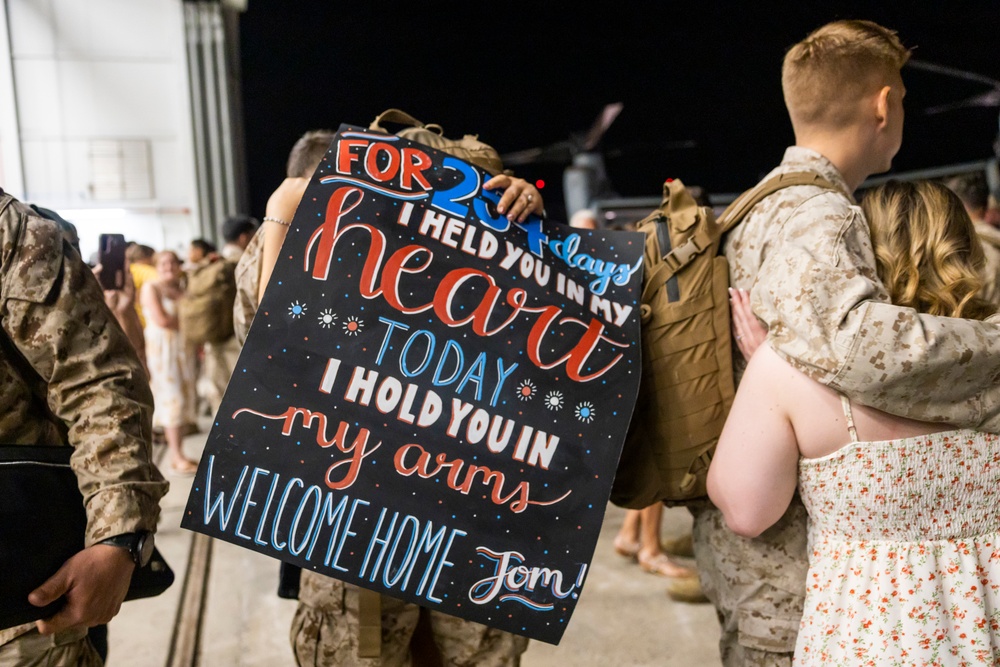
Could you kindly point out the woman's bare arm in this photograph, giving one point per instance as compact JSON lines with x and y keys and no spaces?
{"x":754,"y":472}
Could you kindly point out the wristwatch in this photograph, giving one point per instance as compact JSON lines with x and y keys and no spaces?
{"x":139,"y":545}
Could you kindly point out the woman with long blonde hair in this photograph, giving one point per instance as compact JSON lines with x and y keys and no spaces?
{"x":926,"y":249}
{"x":904,"y":535}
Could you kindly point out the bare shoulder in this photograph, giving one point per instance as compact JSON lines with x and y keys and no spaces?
{"x":149,"y":290}
{"x":767,"y":367}
{"x":813,"y":409}
{"x":768,"y":382}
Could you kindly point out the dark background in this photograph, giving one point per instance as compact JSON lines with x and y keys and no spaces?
{"x":523,"y":75}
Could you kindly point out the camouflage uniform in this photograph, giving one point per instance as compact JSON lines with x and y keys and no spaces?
{"x":61,"y":344}
{"x":990,"y":236}
{"x":325,"y":632}
{"x":325,"y":628}
{"x":247,"y":283}
{"x":221,"y":358}
{"x":806,"y":255}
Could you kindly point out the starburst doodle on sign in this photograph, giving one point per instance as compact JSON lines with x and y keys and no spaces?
{"x":353,"y":325}
{"x":554,"y":400}
{"x":327,"y":318}
{"x":526,"y":390}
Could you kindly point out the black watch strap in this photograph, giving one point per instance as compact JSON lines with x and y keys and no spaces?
{"x":139,"y":545}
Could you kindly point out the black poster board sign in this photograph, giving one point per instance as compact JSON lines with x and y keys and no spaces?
{"x":432,"y":400}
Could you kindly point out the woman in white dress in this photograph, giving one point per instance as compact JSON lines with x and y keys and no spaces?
{"x":170,"y":359}
{"x":904,"y":562}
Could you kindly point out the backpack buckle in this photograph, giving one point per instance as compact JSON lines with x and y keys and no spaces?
{"x":672,"y":261}
{"x":684,"y":253}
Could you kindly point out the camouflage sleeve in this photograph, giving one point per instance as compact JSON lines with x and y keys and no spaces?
{"x":54,"y":312}
{"x":247,"y":283}
{"x":830,"y":317}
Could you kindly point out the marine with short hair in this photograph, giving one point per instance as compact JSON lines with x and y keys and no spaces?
{"x":805,"y":255}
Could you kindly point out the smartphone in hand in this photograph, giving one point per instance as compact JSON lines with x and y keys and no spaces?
{"x":111,"y":257}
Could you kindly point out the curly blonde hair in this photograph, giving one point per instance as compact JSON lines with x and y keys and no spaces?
{"x":927,"y":251}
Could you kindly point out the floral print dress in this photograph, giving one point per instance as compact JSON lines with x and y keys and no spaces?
{"x":904,"y":552}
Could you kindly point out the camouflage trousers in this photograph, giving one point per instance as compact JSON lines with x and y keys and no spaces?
{"x":758,"y":586}
{"x":325,"y":632}
{"x":220,"y":360}
{"x":64,"y":649}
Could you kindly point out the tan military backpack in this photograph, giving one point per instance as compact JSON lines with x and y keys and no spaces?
{"x":687,"y":384}
{"x":469,"y":147}
{"x":206,"y":311}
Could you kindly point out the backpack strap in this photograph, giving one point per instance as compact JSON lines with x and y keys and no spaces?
{"x":741,"y":206}
{"x":402,"y":118}
{"x":369,"y":624}
{"x":682,"y":255}
{"x":674,"y":261}
{"x":394,"y":116}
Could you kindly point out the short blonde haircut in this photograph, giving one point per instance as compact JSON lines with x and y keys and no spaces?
{"x":825,"y":75}
{"x":927,"y":252}
{"x":307,"y":152}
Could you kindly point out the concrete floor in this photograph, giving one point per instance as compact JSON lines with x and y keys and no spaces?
{"x":624,"y":617}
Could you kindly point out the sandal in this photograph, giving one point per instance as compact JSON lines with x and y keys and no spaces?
{"x":625,"y":547}
{"x":662,"y":565}
{"x":186,"y":468}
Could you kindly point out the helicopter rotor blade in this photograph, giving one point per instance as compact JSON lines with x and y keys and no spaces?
{"x":601,"y":125}
{"x":953,"y":72}
{"x":629,"y":149}
{"x":988,"y":99}
{"x":561,"y":151}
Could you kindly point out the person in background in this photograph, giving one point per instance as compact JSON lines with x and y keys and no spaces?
{"x":992,"y":215}
{"x":139,"y":258}
{"x":585,"y":218}
{"x":903,"y":525}
{"x":220,"y":358}
{"x":638,"y":539}
{"x":170,"y":359}
{"x":201,"y":251}
{"x":305,"y":156}
{"x":122,"y":303}
{"x":72,"y":379}
{"x":974,"y":193}
{"x":198,"y":251}
{"x":237,"y":232}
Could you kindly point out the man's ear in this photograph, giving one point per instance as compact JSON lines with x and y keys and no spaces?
{"x":882,"y":105}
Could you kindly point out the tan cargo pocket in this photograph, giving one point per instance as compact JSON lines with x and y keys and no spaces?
{"x":70,"y":636}
{"x":770,"y":634}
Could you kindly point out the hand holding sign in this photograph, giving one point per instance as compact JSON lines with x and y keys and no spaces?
{"x":520,"y":198}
